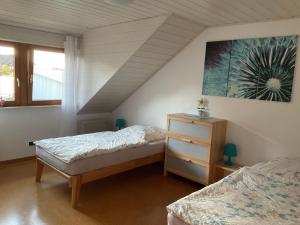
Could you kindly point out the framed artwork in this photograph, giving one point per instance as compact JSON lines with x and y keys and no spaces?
{"x":257,"y":68}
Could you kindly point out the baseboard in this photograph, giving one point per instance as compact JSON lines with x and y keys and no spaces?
{"x":13,"y":161}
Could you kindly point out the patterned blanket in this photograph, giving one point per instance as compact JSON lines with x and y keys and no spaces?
{"x":265,"y":194}
{"x":69,"y":149}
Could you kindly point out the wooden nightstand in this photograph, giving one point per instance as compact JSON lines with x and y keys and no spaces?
{"x":221,"y":170}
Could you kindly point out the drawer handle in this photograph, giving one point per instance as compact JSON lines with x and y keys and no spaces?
{"x":187,"y":140}
{"x":189,"y":161}
{"x":190,"y":121}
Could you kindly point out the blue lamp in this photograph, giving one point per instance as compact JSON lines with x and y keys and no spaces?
{"x":120,"y":123}
{"x":230,"y":151}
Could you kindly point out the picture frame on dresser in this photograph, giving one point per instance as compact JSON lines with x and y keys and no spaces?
{"x":193,"y":145}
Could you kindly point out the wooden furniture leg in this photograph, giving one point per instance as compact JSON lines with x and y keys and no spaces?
{"x":218,"y":174}
{"x":76,"y":185}
{"x":39,"y":170}
{"x":76,"y":181}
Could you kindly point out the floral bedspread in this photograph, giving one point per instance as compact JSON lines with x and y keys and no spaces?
{"x":265,"y":194}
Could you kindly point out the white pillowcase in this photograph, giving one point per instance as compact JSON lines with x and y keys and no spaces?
{"x":154,"y":133}
{"x":149,"y":133}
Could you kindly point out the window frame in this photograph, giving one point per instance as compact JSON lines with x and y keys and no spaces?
{"x":17,"y":82}
{"x":24,"y":74}
{"x":30,"y":75}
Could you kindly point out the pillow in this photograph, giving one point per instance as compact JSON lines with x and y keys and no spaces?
{"x":136,"y":131}
{"x":149,"y":133}
{"x":154,"y":133}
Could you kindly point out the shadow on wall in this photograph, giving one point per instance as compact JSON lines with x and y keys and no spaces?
{"x":256,"y":146}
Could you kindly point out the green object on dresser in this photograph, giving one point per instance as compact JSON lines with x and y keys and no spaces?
{"x":230,"y":151}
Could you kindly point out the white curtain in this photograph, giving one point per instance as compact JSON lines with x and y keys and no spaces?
{"x":69,"y":94}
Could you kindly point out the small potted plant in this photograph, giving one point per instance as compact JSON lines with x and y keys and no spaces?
{"x":203,"y":108}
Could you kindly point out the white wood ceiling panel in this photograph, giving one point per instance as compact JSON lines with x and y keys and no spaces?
{"x":183,"y":23}
{"x":78,"y":16}
{"x":211,"y":7}
{"x":149,"y":61}
{"x":163,"y":44}
{"x":276,"y":7}
{"x":145,"y":66}
{"x":102,"y":58}
{"x":150,"y":55}
{"x":142,"y":72}
{"x":157,"y":49}
{"x":161,"y":35}
{"x":290,"y":6}
{"x":145,"y":62}
{"x":195,"y":7}
{"x":180,"y":9}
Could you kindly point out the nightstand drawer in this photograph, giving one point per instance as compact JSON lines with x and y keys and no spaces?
{"x":187,"y":169}
{"x":189,"y":149}
{"x":189,"y":129}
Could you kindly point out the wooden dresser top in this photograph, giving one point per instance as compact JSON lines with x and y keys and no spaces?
{"x":192,"y":117}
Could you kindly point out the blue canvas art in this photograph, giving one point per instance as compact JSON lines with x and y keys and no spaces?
{"x":258,"y":68}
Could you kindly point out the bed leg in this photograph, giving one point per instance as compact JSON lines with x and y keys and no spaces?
{"x":39,"y":170}
{"x":76,"y":185}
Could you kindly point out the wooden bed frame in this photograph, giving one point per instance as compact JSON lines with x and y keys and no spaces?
{"x":75,"y":181}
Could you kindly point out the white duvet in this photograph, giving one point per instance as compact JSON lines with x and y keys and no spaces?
{"x":265,"y":194}
{"x":69,"y":149}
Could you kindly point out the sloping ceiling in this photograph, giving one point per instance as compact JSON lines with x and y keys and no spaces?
{"x":122,"y":49}
{"x":78,"y":16}
{"x":165,"y":42}
{"x":106,"y":49}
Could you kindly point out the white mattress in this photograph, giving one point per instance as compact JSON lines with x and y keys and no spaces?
{"x":72,"y":148}
{"x":101,"y":161}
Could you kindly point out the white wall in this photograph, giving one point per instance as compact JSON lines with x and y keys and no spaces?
{"x":29,"y":36}
{"x":106,"y":49}
{"x":262,"y":130}
{"x":19,"y":125}
{"x":169,"y":37}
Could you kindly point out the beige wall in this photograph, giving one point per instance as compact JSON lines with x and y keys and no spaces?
{"x":262,"y":130}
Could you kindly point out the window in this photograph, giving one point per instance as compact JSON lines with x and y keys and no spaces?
{"x":7,"y":73}
{"x":46,"y":77}
{"x":48,"y":68}
{"x":30,"y":75}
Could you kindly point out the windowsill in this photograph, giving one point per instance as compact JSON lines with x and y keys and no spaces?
{"x":30,"y":106}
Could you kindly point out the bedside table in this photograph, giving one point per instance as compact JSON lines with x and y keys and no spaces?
{"x":221,"y":170}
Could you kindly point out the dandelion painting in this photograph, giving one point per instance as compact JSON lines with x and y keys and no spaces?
{"x":260,"y":68}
